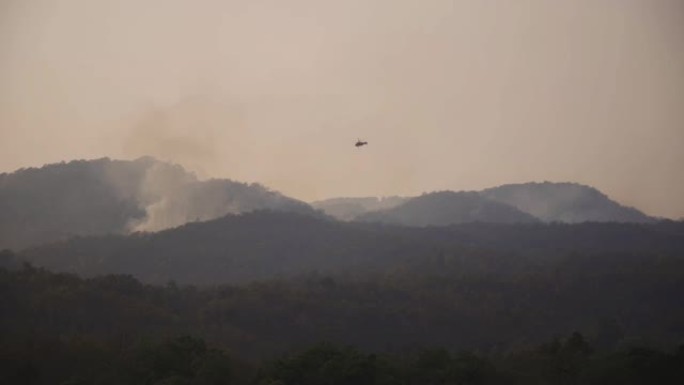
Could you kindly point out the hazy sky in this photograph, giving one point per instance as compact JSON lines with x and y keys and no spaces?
{"x":449,"y":94}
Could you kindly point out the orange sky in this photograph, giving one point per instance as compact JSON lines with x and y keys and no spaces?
{"x":449,"y":94}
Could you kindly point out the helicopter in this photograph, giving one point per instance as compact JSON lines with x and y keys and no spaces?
{"x":360,"y":143}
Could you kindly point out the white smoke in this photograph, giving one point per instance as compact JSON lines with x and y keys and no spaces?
{"x":169,"y":196}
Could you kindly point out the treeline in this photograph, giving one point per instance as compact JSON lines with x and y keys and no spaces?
{"x":104,"y":196}
{"x":186,"y":360}
{"x":613,"y":300}
{"x":267,"y":244}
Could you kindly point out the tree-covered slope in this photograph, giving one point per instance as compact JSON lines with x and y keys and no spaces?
{"x":613,"y":299}
{"x":268,"y":244}
{"x":103,"y":196}
{"x":447,"y":208}
{"x":349,"y":208}
{"x":548,"y":202}
{"x":564,"y":202}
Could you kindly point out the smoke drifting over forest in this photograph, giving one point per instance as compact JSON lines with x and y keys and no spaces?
{"x":182,"y":200}
{"x":106,"y":196}
{"x":458,"y":95}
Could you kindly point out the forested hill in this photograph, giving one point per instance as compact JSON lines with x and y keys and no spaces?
{"x":564,"y":202}
{"x":235,"y":248}
{"x":349,"y":208}
{"x":524,"y":202}
{"x":614,"y":300}
{"x":447,"y":208}
{"x":103,"y":196}
{"x":268,"y":244}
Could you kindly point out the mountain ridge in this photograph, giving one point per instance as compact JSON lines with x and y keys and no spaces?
{"x":106,"y":196}
{"x":548,"y":202}
{"x":564,"y":202}
{"x":260,"y":245}
{"x":103,"y":196}
{"x":447,"y":208}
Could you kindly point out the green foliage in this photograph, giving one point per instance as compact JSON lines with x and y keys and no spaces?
{"x":439,"y":366}
{"x":188,"y":360}
{"x":611,"y":299}
{"x":265,"y":245}
{"x":500,"y":302}
{"x":323,"y":364}
{"x":184,"y":360}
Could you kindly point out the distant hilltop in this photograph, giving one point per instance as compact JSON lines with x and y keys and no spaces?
{"x":512,"y":203}
{"x":105,"y":196}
